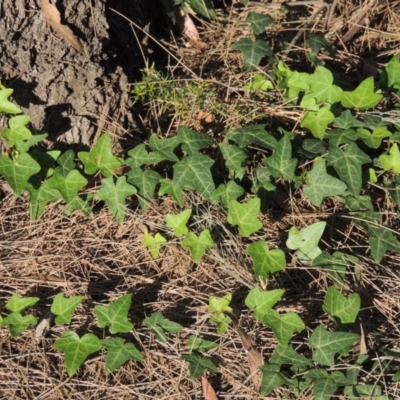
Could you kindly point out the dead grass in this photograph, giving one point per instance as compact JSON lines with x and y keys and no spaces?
{"x":103,"y":260}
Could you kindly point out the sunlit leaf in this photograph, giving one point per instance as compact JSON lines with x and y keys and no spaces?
{"x":245,"y":216}
{"x":64,"y":307}
{"x":178,"y":222}
{"x":363,"y":97}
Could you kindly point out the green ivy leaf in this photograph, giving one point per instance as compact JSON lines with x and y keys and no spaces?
{"x":17,"y":130}
{"x":271,"y":378}
{"x":252,"y":134}
{"x":392,"y":71}
{"x":119,"y":353}
{"x":317,"y":43}
{"x":245,"y":216}
{"x":253,"y":52}
{"x":66,"y":163}
{"x":262,"y":302}
{"x":17,"y":323}
{"x":286,"y":355}
{"x":327,"y":344}
{"x":381,"y":240}
{"x":317,"y":121}
{"x":234,"y":157}
{"x":196,"y":343}
{"x":114,"y":194}
{"x":26,"y":145}
{"x":225,"y":193}
{"x":115,"y":315}
{"x":63,"y":308}
{"x":198,"y":365}
{"x":100,"y":158}
{"x":198,"y":244}
{"x":293,"y":82}
{"x":258,"y":22}
{"x":5,"y":105}
{"x":346,"y":121}
{"x":194,"y":172}
{"x":203,"y":7}
{"x":77,"y":349}
{"x":348,"y":164}
{"x":375,"y":138}
{"x":18,"y":170}
{"x":320,"y":184}
{"x":160,"y":326}
{"x":164,"y":148}
{"x":364,"y":392}
{"x":17,"y":304}
{"x":363,"y":97}
{"x":306,"y":241}
{"x":281,"y":162}
{"x":341,"y":136}
{"x":259,"y":82}
{"x":343,"y":310}
{"x":193,"y":141}
{"x":169,"y":187}
{"x":325,"y":385}
{"x":68,"y":186}
{"x":40,"y":197}
{"x":153,"y":243}
{"x":146,"y":181}
{"x":139,"y":156}
{"x":266,"y":262}
{"x":218,"y":306}
{"x":178,"y":222}
{"x":391,"y":161}
{"x":283,"y":326}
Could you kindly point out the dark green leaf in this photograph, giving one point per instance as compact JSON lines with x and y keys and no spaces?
{"x":259,"y":22}
{"x":252,"y":134}
{"x":198,"y":365}
{"x":146,"y":181}
{"x":253,"y":52}
{"x":193,"y":141}
{"x":160,"y":326}
{"x":225,"y":193}
{"x":234,"y":157}
{"x":169,"y":187}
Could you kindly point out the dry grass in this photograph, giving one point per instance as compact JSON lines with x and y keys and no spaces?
{"x":103,"y":260}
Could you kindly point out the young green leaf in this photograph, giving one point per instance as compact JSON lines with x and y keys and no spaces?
{"x":17,"y":170}
{"x":153,"y":243}
{"x":40,"y":197}
{"x":198,"y":244}
{"x":259,"y":82}
{"x":25,"y":146}
{"x":169,"y":187}
{"x":266,"y":262}
{"x":293,"y":82}
{"x":327,"y":344}
{"x":114,"y":193}
{"x":320,"y":184}
{"x":69,"y":185}
{"x":234,"y":157}
{"x":306,"y":241}
{"x":271,"y":378}
{"x":218,"y":306}
{"x":283,"y":326}
{"x":343,"y":310}
{"x":164,"y":148}
{"x":245,"y":216}
{"x":253,"y":52}
{"x":146,"y":181}
{"x":258,"y":22}
{"x":77,"y":349}
{"x":252,"y":134}
{"x":119,"y":353}
{"x":194,"y":172}
{"x":18,"y":323}
{"x":115,"y":315}
{"x":193,"y":141}
{"x":160,"y":326}
{"x":262,"y":301}
{"x":17,"y":130}
{"x":198,"y":365}
{"x":5,"y":105}
{"x":363,"y":97}
{"x":375,"y":138}
{"x":392,"y":71}
{"x":196,"y":343}
{"x":100,"y":158}
{"x":317,"y":121}
{"x":391,"y":161}
{"x":139,"y":156}
{"x":63,"y":308}
{"x":225,"y":193}
{"x":18,"y":304}
{"x":178,"y":222}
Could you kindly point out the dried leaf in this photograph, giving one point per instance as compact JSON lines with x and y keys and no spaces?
{"x":208,"y":390}
{"x":55,"y":280}
{"x":43,"y":327}
{"x":53,"y":18}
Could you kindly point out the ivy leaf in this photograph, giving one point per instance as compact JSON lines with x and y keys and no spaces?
{"x":317,"y":43}
{"x":392,"y":71}
{"x":193,"y":141}
{"x":153,"y":243}
{"x":363,"y":97}
{"x":341,"y":136}
{"x":146,"y":181}
{"x":139,"y":156}
{"x":306,"y":241}
{"x":225,"y":193}
{"x":114,"y":194}
{"x":343,"y":310}
{"x":258,"y":22}
{"x":178,"y":222}
{"x":253,"y":52}
{"x":17,"y":304}
{"x":198,"y":365}
{"x":252,"y":134}
{"x":66,"y":163}
{"x":281,"y":162}
{"x":266,"y":262}
{"x":245,"y":216}
{"x":271,"y":378}
{"x":194,"y":172}
{"x":18,"y":170}
{"x":164,"y":148}
{"x":394,"y":189}
{"x":63,"y":308}
{"x":317,"y":121}
{"x":259,"y":82}
{"x":160,"y":326}
{"x":196,"y":343}
{"x":218,"y":306}
{"x":198,"y":244}
{"x":169,"y":187}
{"x":119,"y":353}
{"x":69,"y":185}
{"x":203,"y":7}
{"x":293,"y":81}
{"x":391,"y":161}
{"x":17,"y":130}
{"x":320,"y":184}
{"x":262,"y":302}
{"x":348,"y":164}
{"x":234,"y":157}
{"x":381,"y":240}
{"x":346,"y":121}
{"x":5,"y":105}
{"x":17,"y":323}
{"x":40,"y":197}
{"x":100,"y":158}
{"x":375,"y":138}
{"x":115,"y":315}
{"x":327,"y":344}
{"x":77,"y":349}
{"x":325,"y":385}
{"x":283,"y":326}
{"x":286,"y":355}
